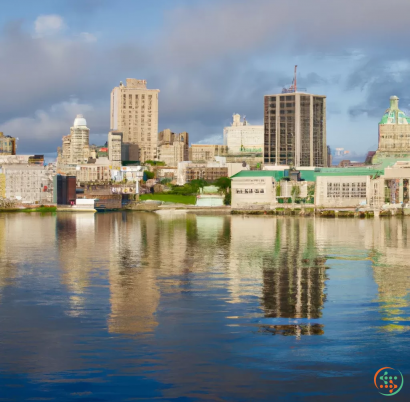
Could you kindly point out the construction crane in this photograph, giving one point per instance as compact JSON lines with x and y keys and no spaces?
{"x":294,"y":87}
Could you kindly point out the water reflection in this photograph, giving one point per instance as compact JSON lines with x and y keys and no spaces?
{"x":133,"y":294}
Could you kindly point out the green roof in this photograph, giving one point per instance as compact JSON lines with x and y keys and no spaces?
{"x":311,"y":175}
{"x":277,"y":174}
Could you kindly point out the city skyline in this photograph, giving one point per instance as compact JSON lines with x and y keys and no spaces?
{"x":206,"y":77}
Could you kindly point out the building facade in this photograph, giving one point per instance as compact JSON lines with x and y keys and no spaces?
{"x":93,"y":172}
{"x":295,"y":129}
{"x":75,"y":148}
{"x":28,"y":184}
{"x":242,"y":138}
{"x":115,"y":148}
{"x":343,"y":191}
{"x":394,"y":133}
{"x":253,"y":189}
{"x":7,"y":144}
{"x":172,"y":148}
{"x":206,"y":152}
{"x":134,"y":112}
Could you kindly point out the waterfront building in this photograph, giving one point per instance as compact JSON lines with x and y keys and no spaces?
{"x":206,"y":152}
{"x":253,"y":189}
{"x":7,"y":145}
{"x":28,"y":183}
{"x":172,"y":148}
{"x":242,"y":138}
{"x":134,"y":112}
{"x":295,"y":129}
{"x":346,"y":191}
{"x":64,"y":189}
{"x":114,"y":148}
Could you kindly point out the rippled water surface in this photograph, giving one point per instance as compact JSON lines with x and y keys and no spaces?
{"x":181,"y":307}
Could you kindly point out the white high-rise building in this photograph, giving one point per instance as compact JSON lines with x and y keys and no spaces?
{"x":241,"y":137}
{"x":134,"y":112}
{"x":76,"y":147}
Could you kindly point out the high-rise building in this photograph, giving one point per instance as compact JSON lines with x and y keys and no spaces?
{"x":242,"y":137}
{"x":134,"y":112}
{"x":7,"y":145}
{"x":295,"y":129}
{"x":172,"y":148}
{"x":76,"y":148}
{"x":114,"y":148}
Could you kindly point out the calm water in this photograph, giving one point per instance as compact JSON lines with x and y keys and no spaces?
{"x":179,"y":307}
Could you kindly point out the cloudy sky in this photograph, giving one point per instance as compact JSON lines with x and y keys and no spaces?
{"x":209,"y":58}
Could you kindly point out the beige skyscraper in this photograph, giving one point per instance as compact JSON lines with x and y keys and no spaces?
{"x":134,"y":112}
{"x":295,"y":129}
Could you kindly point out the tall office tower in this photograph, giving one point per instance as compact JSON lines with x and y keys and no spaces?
{"x":295,"y":129}
{"x":134,"y":112}
{"x":76,"y":148}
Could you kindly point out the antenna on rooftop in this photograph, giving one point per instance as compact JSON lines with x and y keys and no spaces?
{"x":294,"y":87}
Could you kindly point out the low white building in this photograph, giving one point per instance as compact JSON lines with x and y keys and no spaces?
{"x":253,"y":189}
{"x":343,"y":191}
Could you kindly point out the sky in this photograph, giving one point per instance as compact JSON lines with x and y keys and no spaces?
{"x":208,"y":58}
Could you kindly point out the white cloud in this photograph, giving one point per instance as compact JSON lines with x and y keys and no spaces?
{"x":88,"y":37}
{"x":46,"y":125}
{"x":48,"y":25}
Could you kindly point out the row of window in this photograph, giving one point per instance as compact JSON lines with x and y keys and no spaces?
{"x":250,"y":191}
{"x":346,"y":190}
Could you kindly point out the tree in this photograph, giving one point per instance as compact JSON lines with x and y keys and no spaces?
{"x":278,"y":189}
{"x":149,"y":175}
{"x":295,"y":192}
{"x":198,"y":183}
{"x":223,"y":184}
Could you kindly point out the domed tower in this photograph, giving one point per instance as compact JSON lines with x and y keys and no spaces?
{"x":394,"y":131}
{"x":80,"y":137}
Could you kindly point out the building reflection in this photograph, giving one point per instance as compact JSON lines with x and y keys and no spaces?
{"x":386,"y":243}
{"x":76,"y":242}
{"x":294,"y":275}
{"x":390,"y":254}
{"x":39,"y":242}
{"x":134,"y":293}
{"x":278,"y":262}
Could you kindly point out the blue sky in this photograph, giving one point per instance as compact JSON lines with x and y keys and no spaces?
{"x":209,"y":59}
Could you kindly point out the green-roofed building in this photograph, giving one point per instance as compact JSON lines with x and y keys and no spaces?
{"x":394,"y":136}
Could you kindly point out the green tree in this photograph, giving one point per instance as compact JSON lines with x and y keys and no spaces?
{"x":278,"y":189}
{"x":198,"y":183}
{"x":295,"y":192}
{"x":149,"y":175}
{"x":228,"y":198}
{"x":223,"y":184}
